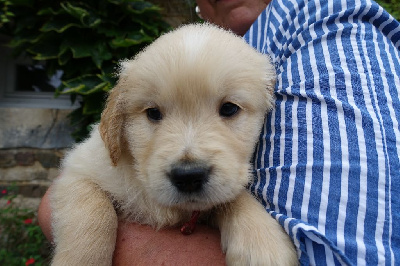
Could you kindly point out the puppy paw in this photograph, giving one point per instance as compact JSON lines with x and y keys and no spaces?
{"x":250,"y":236}
{"x":84,"y":223}
{"x":252,"y":248}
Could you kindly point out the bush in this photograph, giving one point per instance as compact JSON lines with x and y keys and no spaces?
{"x":84,"y":39}
{"x":391,"y":6}
{"x":21,"y":239}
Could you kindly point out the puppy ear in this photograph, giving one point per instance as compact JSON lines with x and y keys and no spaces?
{"x":111,"y":124}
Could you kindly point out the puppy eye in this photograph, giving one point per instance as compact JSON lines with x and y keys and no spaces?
{"x":228,"y":109}
{"x":154,"y":114}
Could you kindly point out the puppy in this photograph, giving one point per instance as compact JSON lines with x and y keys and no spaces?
{"x":176,"y":138}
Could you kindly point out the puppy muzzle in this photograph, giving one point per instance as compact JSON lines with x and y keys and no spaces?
{"x":189,"y":176}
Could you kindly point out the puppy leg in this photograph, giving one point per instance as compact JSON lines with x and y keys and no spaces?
{"x":84,"y":223}
{"x":250,"y":236}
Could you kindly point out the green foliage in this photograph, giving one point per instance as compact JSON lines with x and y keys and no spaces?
{"x":391,"y":6}
{"x":5,"y":14}
{"x":84,"y":39}
{"x":21,"y":239}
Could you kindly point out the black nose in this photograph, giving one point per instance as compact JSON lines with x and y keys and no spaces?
{"x":189,"y":176}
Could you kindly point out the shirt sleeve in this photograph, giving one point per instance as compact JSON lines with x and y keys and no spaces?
{"x":327,"y":163}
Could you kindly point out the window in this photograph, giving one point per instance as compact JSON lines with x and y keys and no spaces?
{"x":23,"y":84}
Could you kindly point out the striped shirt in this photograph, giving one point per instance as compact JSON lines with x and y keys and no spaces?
{"x":327,"y":164}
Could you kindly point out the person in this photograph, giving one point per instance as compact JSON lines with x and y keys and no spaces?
{"x":327,"y":164}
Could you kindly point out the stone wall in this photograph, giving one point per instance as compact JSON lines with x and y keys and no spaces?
{"x":32,"y":170}
{"x":32,"y":143}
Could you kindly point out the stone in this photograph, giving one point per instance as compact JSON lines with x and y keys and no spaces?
{"x":24,"y":173}
{"x":32,"y":190}
{"x":35,"y":128}
{"x":7,"y":159}
{"x":24,"y":158}
{"x":53,"y":173}
{"x":48,"y":159}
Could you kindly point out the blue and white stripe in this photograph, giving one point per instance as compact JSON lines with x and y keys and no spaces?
{"x":327,"y":164}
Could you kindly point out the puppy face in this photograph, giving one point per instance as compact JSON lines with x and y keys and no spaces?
{"x":189,"y":109}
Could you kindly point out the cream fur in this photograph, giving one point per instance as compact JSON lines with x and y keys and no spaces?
{"x":187,"y":74}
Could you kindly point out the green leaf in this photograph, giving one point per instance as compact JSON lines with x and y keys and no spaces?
{"x":59,"y":25}
{"x":86,"y":17}
{"x":110,"y":31}
{"x":29,"y":3}
{"x":4,"y":20}
{"x":94,"y":105}
{"x":100,"y":53}
{"x":25,"y":37}
{"x":140,"y":7}
{"x":74,"y":11}
{"x":44,"y":51}
{"x":109,"y":77}
{"x":28,"y":22}
{"x":84,"y":50}
{"x":84,"y":85}
{"x":131,"y":39}
{"x":64,"y":58}
{"x":76,"y":116}
{"x":79,"y":47}
{"x":49,"y":11}
{"x":121,"y":2}
{"x":91,"y":21}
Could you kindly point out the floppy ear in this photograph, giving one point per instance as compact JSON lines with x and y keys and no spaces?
{"x":111,"y":124}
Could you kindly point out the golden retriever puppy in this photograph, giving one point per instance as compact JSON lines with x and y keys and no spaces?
{"x":176,"y":138}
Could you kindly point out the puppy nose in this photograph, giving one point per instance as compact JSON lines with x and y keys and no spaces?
{"x":189,"y":177}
